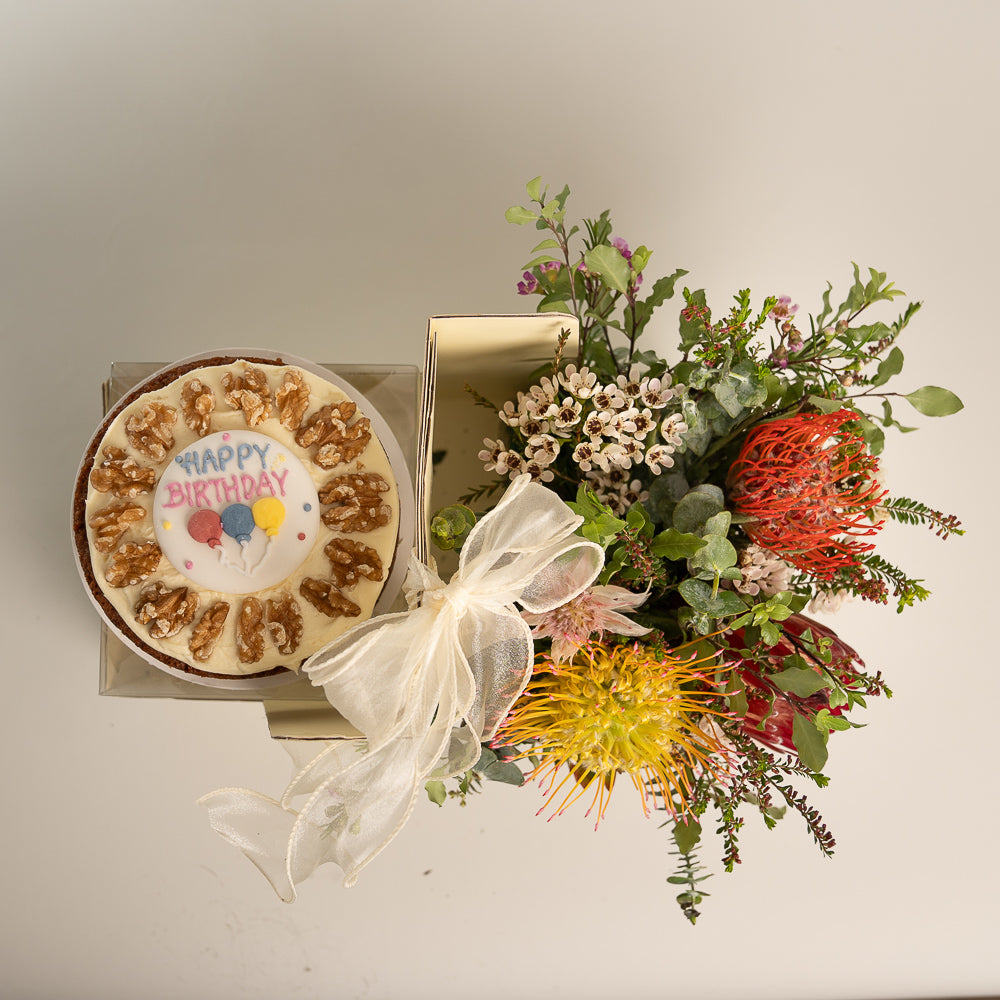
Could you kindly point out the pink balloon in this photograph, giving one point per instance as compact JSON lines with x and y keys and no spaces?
{"x":205,"y":526}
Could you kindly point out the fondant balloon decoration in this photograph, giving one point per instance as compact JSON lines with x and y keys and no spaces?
{"x":206,"y":526}
{"x":238,"y":522}
{"x":268,"y":513}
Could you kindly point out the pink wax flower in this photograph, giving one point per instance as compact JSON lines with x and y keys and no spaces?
{"x":597,"y":609}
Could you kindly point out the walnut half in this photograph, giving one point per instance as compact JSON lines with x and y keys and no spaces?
{"x":251,"y":394}
{"x":111,"y":522}
{"x":336,"y":440}
{"x":324,"y":597}
{"x":284,"y":622}
{"x":132,"y":563}
{"x":150,"y":431}
{"x":250,"y":631}
{"x":292,"y":400}
{"x":197,"y":404}
{"x":351,"y":560}
{"x":205,"y":635}
{"x":165,"y":611}
{"x":355,"y":502}
{"x":121,"y":475}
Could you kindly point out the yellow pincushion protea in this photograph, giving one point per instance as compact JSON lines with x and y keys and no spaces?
{"x":611,"y":710}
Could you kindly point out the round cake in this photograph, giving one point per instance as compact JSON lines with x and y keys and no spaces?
{"x":234,"y":515}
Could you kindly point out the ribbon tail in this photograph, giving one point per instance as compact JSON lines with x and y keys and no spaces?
{"x":258,"y":826}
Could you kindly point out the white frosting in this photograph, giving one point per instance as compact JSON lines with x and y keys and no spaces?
{"x":236,"y":512}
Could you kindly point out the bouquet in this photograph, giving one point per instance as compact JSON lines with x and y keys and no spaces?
{"x":733,"y":489}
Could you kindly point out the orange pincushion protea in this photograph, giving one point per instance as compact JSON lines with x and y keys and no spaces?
{"x":808,"y":484}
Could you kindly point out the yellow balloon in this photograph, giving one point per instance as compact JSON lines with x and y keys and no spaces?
{"x":268,"y":513}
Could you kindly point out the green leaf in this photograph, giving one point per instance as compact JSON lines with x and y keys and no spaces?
{"x":554,"y":304}
{"x":809,"y":742}
{"x":520,"y":216}
{"x":725,"y":392}
{"x":663,"y":289}
{"x":824,"y":720}
{"x":504,"y":772}
{"x":436,"y":792}
{"x":717,"y":555}
{"x":802,"y":683}
{"x":544,"y":258}
{"x":891,"y":365}
{"x":607,"y":262}
{"x":694,"y":509}
{"x":549,"y":244}
{"x":687,"y":833}
{"x":698,"y":594}
{"x":825,"y":405}
{"x":874,"y":436}
{"x":933,"y":401}
{"x":534,"y":187}
{"x":718,"y":524}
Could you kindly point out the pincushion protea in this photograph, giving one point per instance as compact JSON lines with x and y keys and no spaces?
{"x":808,"y":485}
{"x":624,"y":709}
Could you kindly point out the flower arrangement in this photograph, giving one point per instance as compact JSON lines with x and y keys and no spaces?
{"x":732,"y":489}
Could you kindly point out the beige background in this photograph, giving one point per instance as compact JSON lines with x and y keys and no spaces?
{"x":319,"y":177}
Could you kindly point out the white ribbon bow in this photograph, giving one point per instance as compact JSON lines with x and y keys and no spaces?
{"x":424,"y":687}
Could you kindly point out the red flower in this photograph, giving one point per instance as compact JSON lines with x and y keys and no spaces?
{"x":808,"y":485}
{"x":770,"y":711}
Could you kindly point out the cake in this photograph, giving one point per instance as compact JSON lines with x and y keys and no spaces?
{"x":234,"y":515}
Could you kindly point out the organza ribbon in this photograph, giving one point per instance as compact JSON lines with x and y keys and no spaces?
{"x":424,"y":687}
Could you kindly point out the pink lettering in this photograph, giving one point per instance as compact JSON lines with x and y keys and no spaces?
{"x":264,"y":484}
{"x":230,"y":486}
{"x":200,"y":491}
{"x":177,"y":497}
{"x":249,"y":485}
{"x":280,"y":475}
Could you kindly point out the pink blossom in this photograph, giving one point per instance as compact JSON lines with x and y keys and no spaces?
{"x":529,"y":284}
{"x":595,"y":610}
{"x":783,"y":308}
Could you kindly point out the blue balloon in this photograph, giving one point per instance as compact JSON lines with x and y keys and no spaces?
{"x":238,"y":522}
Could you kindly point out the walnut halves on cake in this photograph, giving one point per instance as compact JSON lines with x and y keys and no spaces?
{"x":250,"y":630}
{"x":151,"y":430}
{"x":121,"y":475}
{"x":324,"y":596}
{"x":132,"y":563}
{"x":205,"y":635}
{"x":165,"y":611}
{"x":197,"y":405}
{"x":337,"y":441}
{"x":249,"y":393}
{"x":110,"y":523}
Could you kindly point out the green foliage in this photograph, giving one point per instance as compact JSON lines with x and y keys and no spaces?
{"x":451,"y":525}
{"x":688,"y":875}
{"x":599,"y":524}
{"x":673,"y":527}
{"x":914,"y":512}
{"x":933,"y":401}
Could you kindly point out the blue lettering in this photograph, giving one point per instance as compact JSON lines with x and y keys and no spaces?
{"x":188,"y":460}
{"x":208,"y":458}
